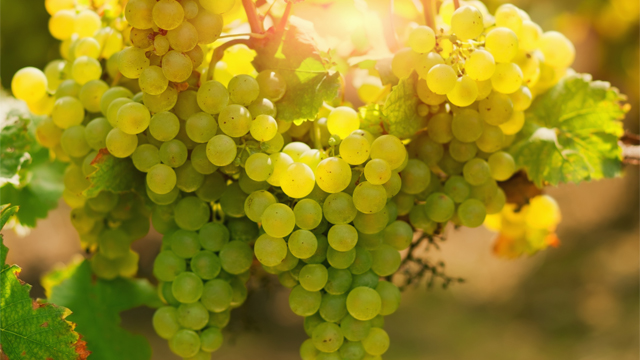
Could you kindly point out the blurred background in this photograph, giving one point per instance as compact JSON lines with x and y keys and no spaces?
{"x":579,"y":301}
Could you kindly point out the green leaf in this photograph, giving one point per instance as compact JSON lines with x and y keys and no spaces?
{"x":32,"y":329}
{"x":571,"y":133}
{"x":400,"y":109}
{"x":15,"y":143}
{"x":7,"y":213}
{"x":294,"y":55}
{"x":97,"y":304}
{"x":40,"y":189}
{"x":372,"y":119}
{"x":115,"y":175}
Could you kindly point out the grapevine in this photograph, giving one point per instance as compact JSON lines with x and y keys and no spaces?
{"x":262,"y":167}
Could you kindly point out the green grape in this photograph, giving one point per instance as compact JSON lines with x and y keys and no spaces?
{"x":377,"y":171}
{"x":354,"y":329}
{"x":114,"y":107}
{"x":298,"y":180}
{"x":496,"y":202}
{"x":104,"y":202}
{"x":162,"y":102}
{"x":327,"y":337}
{"x":29,"y":84}
{"x":61,"y":24}
{"x":259,"y":167}
{"x":120,"y":144}
{"x":142,"y":39}
{"x":439,"y":207}
{"x":333,"y":307}
{"x":221,"y":319}
{"x":352,"y":351}
{"x":197,"y":56}
{"x":233,"y":200}
{"x":221,"y":150}
{"x":187,"y":104}
{"x":441,"y":79}
{"x":369,"y":198}
{"x":132,"y":61}
{"x":281,"y":163}
{"x":422,"y":39}
{"x":103,"y":267}
{"x":340,"y":259}
{"x":377,"y":342}
{"x":558,"y":51}
{"x":133,"y":118}
{"x":161,"y":179}
{"x":83,"y":222}
{"x":193,"y":316}
{"x":339,"y":208}
{"x":67,"y":111}
{"x":212,"y":188}
{"x":398,"y":234}
{"x":393,"y":186}
{"x":507,"y":78}
{"x":287,"y":280}
{"x":48,"y":134}
{"x":496,"y":109}
{"x":404,"y":203}
{"x":200,"y":162}
{"x":211,"y":340}
{"x":167,"y":14}
{"x":274,"y":145}
{"x":208,"y":25}
{"x":236,"y":257}
{"x":362,"y":262}
{"x":173,"y":153}
{"x":467,"y":125}
{"x":440,"y":128}
{"x":485,"y":191}
{"x":183,"y":38}
{"x":491,"y":139}
{"x":476,"y":171}
{"x":201,"y":127}
{"x":426,"y":95}
{"x":164,"y":126}
{"x":217,"y":6}
{"x":390,"y":149}
{"x":188,"y":179}
{"x":272,"y":85}
{"x":457,"y":188}
{"x":363,"y":303}
{"x":289,"y":263}
{"x":385,"y":260}
{"x":321,"y":251}
{"x":162,"y":220}
{"x":467,"y":23}
{"x":502,"y":165}
{"x":514,"y":124}
{"x":278,"y":220}
{"x":264,"y":128}
{"x":502,"y":43}
{"x":521,"y":99}
{"x":191,"y":213}
{"x":262,"y":106}
{"x":303,"y":302}
{"x":354,"y":149}
{"x":153,"y":81}
{"x":308,"y":214}
{"x":91,"y":93}
{"x":185,"y":343}
{"x":217,"y":295}
{"x":308,"y":351}
{"x":213,"y":236}
{"x":529,"y":35}
{"x":68,"y":88}
{"x":165,"y":322}
{"x":243,"y":229}
{"x":342,"y":237}
{"x":239,"y":291}
{"x":73,"y":141}
{"x":403,"y":62}
{"x":367,"y":279}
{"x":87,"y":22}
{"x":372,"y":223}
{"x":243,"y":90}
{"x":295,"y":150}
{"x":167,"y":266}
{"x":464,"y":93}
{"x":415,"y":177}
{"x":212,"y":97}
{"x":342,"y":121}
{"x":112,"y":94}
{"x":85,"y":69}
{"x":480,"y":65}
{"x":313,"y":277}
{"x":185,"y":243}
{"x":472,"y":213}
{"x":269,"y":250}
{"x":187,"y":287}
{"x":303,"y":244}
{"x":390,"y":296}
{"x":235,"y":120}
{"x":484,"y":89}
{"x":256,"y":203}
{"x":461,"y":151}
{"x":370,"y":241}
{"x":508,"y":16}
{"x":338,"y":281}
{"x":176,"y":66}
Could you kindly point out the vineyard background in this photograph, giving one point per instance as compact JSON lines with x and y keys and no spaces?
{"x":579,"y":301}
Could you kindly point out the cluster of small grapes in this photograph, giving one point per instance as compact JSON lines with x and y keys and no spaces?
{"x":477,"y":74}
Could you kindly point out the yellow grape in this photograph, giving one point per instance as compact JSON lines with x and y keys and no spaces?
{"x":29,"y":84}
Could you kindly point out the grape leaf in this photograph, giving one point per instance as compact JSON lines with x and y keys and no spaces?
{"x":372,"y":119}
{"x":32,"y":329}
{"x":15,"y":143}
{"x":571,"y":133}
{"x":295,"y":56}
{"x":97,"y":304}
{"x":400,"y":109}
{"x":114,"y":174}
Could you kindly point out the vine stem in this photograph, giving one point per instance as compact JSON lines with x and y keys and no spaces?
{"x":218,"y":53}
{"x":456,"y":4}
{"x":285,"y":17}
{"x":252,"y":16}
{"x":252,"y":35}
{"x":429,"y":13}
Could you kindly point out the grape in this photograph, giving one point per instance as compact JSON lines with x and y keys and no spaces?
{"x":480,"y":65}
{"x":390,"y":149}
{"x":485,"y":191}
{"x":239,"y":291}
{"x":221,"y":150}
{"x":142,"y":39}
{"x":176,"y":66}
{"x":377,"y":342}
{"x":208,"y":25}
{"x":264,"y":128}
{"x":164,"y":126}
{"x":259,"y":167}
{"x":187,"y":105}
{"x":153,"y":81}
{"x":145,"y":157}
{"x":162,"y":102}
{"x":120,"y":144}
{"x":167,"y":14}
{"x":514,"y":124}
{"x":173,"y":153}
{"x":262,"y":106}
{"x":212,"y":97}
{"x":197,"y":56}
{"x":303,"y":244}
{"x":182,"y":38}
{"x":457,"y":188}
{"x":217,"y":295}
{"x":398,"y":234}
{"x":165,"y":322}
{"x":192,"y":213}
{"x":321,"y":251}
{"x":83,"y":223}
{"x":278,"y":220}
{"x":464,"y":93}
{"x":502,"y":165}
{"x":390,"y":296}
{"x":327,"y":337}
{"x":369,"y":198}
{"x":303,"y":302}
{"x":187,"y":287}
{"x":403,"y":62}
{"x":236,"y":257}
{"x":496,"y":109}
{"x":67,"y":111}
{"x":48,"y":134}
{"x":185,"y":243}
{"x":256,"y":203}
{"x":298,"y":180}
{"x":507,"y":78}
{"x":333,"y":175}
{"x":476,"y":171}
{"x":133,"y":118}
{"x":440,"y":128}
{"x":342,"y":121}
{"x":295,"y":150}
{"x":220,"y":319}
{"x":502,"y":43}
{"x":54,"y":6}
{"x":68,"y":88}
{"x":87,"y":22}
{"x":308,"y":351}
{"x":213,"y":236}
{"x":422,"y":39}
{"x":529,"y":36}
{"x":333,"y":307}
{"x":112,"y":94}
{"x":415,"y":177}
{"x":543,"y":213}
{"x":472,"y":213}
{"x":114,"y":107}
{"x":385,"y":260}
{"x":521,"y":99}
{"x":73,"y":141}
{"x":132,"y":61}
{"x":354,"y":149}
{"x":217,"y":6}
{"x":496,"y":202}
{"x":467,"y":125}
{"x":371,"y":223}
{"x":272,"y":85}
{"x":243,"y":89}
{"x":200,"y":162}
{"x":424,"y":63}
{"x":508,"y":16}
{"x":193,"y":316}
{"x":269,"y":250}
{"x":491,"y":139}
{"x":201,"y":127}
{"x":363,"y":303}
{"x":467,"y":23}
{"x":91,"y":93}
{"x":61,"y":24}
{"x":74,"y":179}
{"x":313,"y":277}
{"x":342,"y":237}
{"x":339,"y":209}
{"x":439,"y":207}
{"x":441,"y":79}
{"x":377,"y":171}
{"x":235,"y":120}
{"x":185,"y":343}
{"x":340,"y":259}
{"x":211,"y":340}
{"x":354,"y":329}
{"x":362,"y":261}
